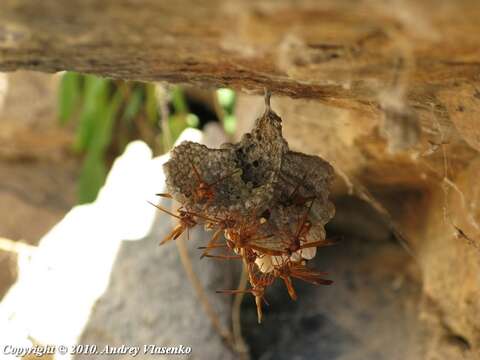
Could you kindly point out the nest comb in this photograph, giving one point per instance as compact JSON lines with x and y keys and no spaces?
{"x":259,"y":173}
{"x":269,"y":194}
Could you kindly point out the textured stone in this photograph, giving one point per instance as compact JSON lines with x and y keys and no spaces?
{"x":449,"y":255}
{"x":339,"y":52}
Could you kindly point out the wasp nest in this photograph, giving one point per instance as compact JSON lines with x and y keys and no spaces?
{"x":269,"y":202}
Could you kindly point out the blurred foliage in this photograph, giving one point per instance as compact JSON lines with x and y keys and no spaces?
{"x":226,"y":99}
{"x":108,"y":114}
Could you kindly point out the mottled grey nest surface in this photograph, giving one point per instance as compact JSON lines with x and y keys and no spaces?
{"x":257,"y":177}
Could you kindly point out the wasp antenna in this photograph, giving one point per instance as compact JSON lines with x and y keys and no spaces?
{"x":263,"y":237}
{"x":223,"y":257}
{"x":288,"y":284}
{"x":334,"y":240}
{"x":174,"y":234}
{"x":258,"y":302}
{"x":164,"y":210}
{"x":229,"y":292}
{"x":267,"y":251}
{"x":197,"y":174}
{"x":325,"y":282}
{"x":201,"y":216}
{"x":213,"y":246}
{"x":304,"y":217}
{"x":225,"y":177}
{"x":320,"y":243}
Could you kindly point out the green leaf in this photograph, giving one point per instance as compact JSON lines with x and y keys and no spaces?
{"x":96,"y":101}
{"x":151,"y":107}
{"x":177,"y":123}
{"x":69,"y":95}
{"x":230,"y":124}
{"x":104,"y":125}
{"x":192,"y":120}
{"x":92,"y":178}
{"x":178,"y":100}
{"x":94,"y":171}
{"x":226,"y":99}
{"x":133,"y":106}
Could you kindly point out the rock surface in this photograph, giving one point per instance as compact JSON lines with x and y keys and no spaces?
{"x":340,"y":52}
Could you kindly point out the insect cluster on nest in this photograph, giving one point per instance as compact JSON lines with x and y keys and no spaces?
{"x":269,"y":202}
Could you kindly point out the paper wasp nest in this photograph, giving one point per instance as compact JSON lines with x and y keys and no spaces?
{"x":269,"y":202}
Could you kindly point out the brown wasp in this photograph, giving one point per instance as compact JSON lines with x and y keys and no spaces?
{"x":298,"y":270}
{"x":298,"y":240}
{"x":258,"y":281}
{"x":187,"y":220}
{"x":295,"y":197}
{"x":222,"y":224}
{"x":243,"y":236}
{"x":239,"y":235}
{"x":203,"y":191}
